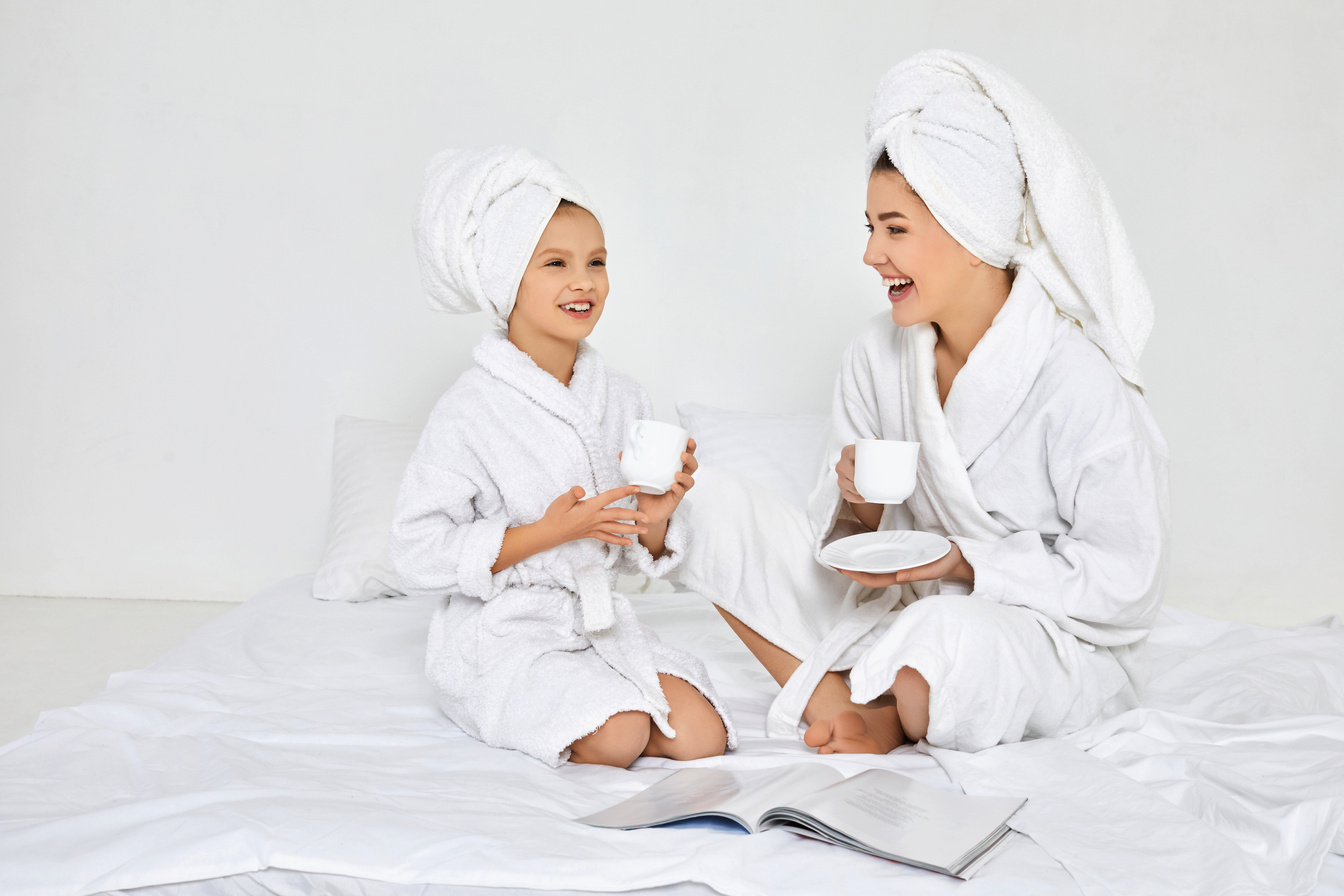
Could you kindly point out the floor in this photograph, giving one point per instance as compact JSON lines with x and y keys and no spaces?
{"x":58,"y":651}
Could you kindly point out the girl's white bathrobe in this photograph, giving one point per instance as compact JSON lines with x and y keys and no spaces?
{"x":510,"y":654}
{"x":1047,"y":470}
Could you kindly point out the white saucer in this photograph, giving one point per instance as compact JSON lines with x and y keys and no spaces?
{"x":887,"y":551}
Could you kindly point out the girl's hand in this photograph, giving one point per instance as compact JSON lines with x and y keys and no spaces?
{"x":950,"y":566}
{"x":659,"y":508}
{"x":572,"y":517}
{"x":868,"y":514}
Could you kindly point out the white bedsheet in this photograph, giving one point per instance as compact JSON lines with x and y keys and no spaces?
{"x":300,"y":736}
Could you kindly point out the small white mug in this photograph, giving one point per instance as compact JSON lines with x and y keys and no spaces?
{"x":884,"y":470}
{"x":651,"y":458}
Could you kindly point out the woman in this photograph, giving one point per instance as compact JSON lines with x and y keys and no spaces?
{"x":1017,"y":315}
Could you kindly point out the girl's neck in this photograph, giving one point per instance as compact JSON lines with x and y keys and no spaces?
{"x":553,"y":355}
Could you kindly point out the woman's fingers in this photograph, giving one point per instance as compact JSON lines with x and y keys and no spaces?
{"x":688,"y":462}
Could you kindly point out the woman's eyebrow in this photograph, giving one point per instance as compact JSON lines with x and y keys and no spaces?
{"x":887,"y":216}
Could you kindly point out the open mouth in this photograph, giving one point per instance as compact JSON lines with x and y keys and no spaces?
{"x":579,"y":310}
{"x":897,"y":287}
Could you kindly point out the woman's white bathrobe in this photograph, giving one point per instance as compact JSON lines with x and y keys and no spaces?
{"x":1048,"y":471}
{"x":508,"y":653}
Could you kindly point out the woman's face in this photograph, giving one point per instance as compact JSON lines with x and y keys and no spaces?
{"x":924,"y":270}
{"x":565,"y":284}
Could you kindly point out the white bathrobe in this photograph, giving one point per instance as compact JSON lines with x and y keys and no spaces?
{"x":1064,"y":473}
{"x":509,"y":654}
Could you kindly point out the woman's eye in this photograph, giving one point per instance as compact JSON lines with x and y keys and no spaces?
{"x":895,"y":230}
{"x":868,"y":227}
{"x":598,"y":262}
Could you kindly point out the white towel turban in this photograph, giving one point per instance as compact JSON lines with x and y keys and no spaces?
{"x":1005,"y":180}
{"x":481,"y":213}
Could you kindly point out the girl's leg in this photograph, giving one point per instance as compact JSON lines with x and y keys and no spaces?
{"x":700,"y":730}
{"x":838,"y":725}
{"x":619,"y":742}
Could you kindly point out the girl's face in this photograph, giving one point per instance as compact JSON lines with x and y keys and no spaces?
{"x":924,"y":270}
{"x":565,"y":284}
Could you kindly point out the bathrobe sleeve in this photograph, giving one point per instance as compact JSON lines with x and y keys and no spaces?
{"x":855,"y":415}
{"x":1101,"y":580}
{"x":441,"y":540}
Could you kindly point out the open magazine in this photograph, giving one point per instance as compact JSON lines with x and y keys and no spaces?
{"x":879,"y":812}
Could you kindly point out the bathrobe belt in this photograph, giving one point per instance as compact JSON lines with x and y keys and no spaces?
{"x":594,"y":587}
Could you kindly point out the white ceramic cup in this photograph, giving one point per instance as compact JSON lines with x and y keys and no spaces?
{"x":884,"y":470}
{"x":651,"y":458}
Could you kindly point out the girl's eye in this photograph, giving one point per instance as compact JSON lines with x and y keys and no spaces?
{"x":555,"y":262}
{"x":598,"y":262}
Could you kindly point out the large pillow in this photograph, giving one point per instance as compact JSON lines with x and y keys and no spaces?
{"x":368,"y":460}
{"x":782,"y":452}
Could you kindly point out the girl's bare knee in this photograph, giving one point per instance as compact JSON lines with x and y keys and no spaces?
{"x":700,"y":733}
{"x":619,"y":742}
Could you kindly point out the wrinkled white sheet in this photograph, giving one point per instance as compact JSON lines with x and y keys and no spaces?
{"x":300,"y":736}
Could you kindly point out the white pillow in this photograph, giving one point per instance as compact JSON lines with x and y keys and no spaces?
{"x":783,"y":452}
{"x":368,"y":460}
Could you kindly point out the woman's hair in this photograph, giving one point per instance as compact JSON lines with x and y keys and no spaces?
{"x":884,"y":165}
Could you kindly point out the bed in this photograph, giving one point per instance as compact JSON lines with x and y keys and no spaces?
{"x":292,"y":746}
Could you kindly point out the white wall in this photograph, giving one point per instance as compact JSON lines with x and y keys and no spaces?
{"x":205,"y":251}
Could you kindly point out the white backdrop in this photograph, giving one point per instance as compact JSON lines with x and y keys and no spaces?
{"x":205,"y":249}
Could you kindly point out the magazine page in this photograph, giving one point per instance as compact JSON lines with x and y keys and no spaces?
{"x":742,"y":796}
{"x":905,"y":818}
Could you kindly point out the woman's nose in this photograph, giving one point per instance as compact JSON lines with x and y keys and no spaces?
{"x":871,"y":255}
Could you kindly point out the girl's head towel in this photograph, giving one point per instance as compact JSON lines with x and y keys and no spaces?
{"x":481,"y":213}
{"x":1006,"y":181}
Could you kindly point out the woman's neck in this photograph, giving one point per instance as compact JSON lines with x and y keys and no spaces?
{"x":960,"y":333}
{"x":553,"y":355}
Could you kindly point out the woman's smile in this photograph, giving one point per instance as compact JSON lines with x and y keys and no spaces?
{"x":898,"y":287}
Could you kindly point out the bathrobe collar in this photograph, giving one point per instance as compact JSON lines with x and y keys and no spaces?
{"x":582,"y":404}
{"x":990,"y":389}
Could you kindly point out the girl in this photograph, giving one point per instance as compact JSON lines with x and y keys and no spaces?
{"x":530,"y":648}
{"x":1009,"y":351}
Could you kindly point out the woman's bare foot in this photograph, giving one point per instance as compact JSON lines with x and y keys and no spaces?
{"x":867,"y":729}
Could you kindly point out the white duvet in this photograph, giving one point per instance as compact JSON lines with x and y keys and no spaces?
{"x":299,"y":734}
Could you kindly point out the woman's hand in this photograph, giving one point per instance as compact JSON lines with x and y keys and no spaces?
{"x":572,"y":517}
{"x":950,"y":566}
{"x":659,"y":508}
{"x":868,"y":514}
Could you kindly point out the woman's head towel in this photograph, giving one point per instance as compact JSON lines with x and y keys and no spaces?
{"x":480,"y":216}
{"x":1012,"y":187}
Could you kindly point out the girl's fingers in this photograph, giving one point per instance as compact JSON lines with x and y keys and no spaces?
{"x":690,"y":445}
{"x":620,"y":513}
{"x":622,"y":528}
{"x":612,"y":539}
{"x":611,"y":496}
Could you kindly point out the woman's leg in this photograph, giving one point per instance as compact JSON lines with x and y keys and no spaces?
{"x":700,"y":730}
{"x":837,"y":723}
